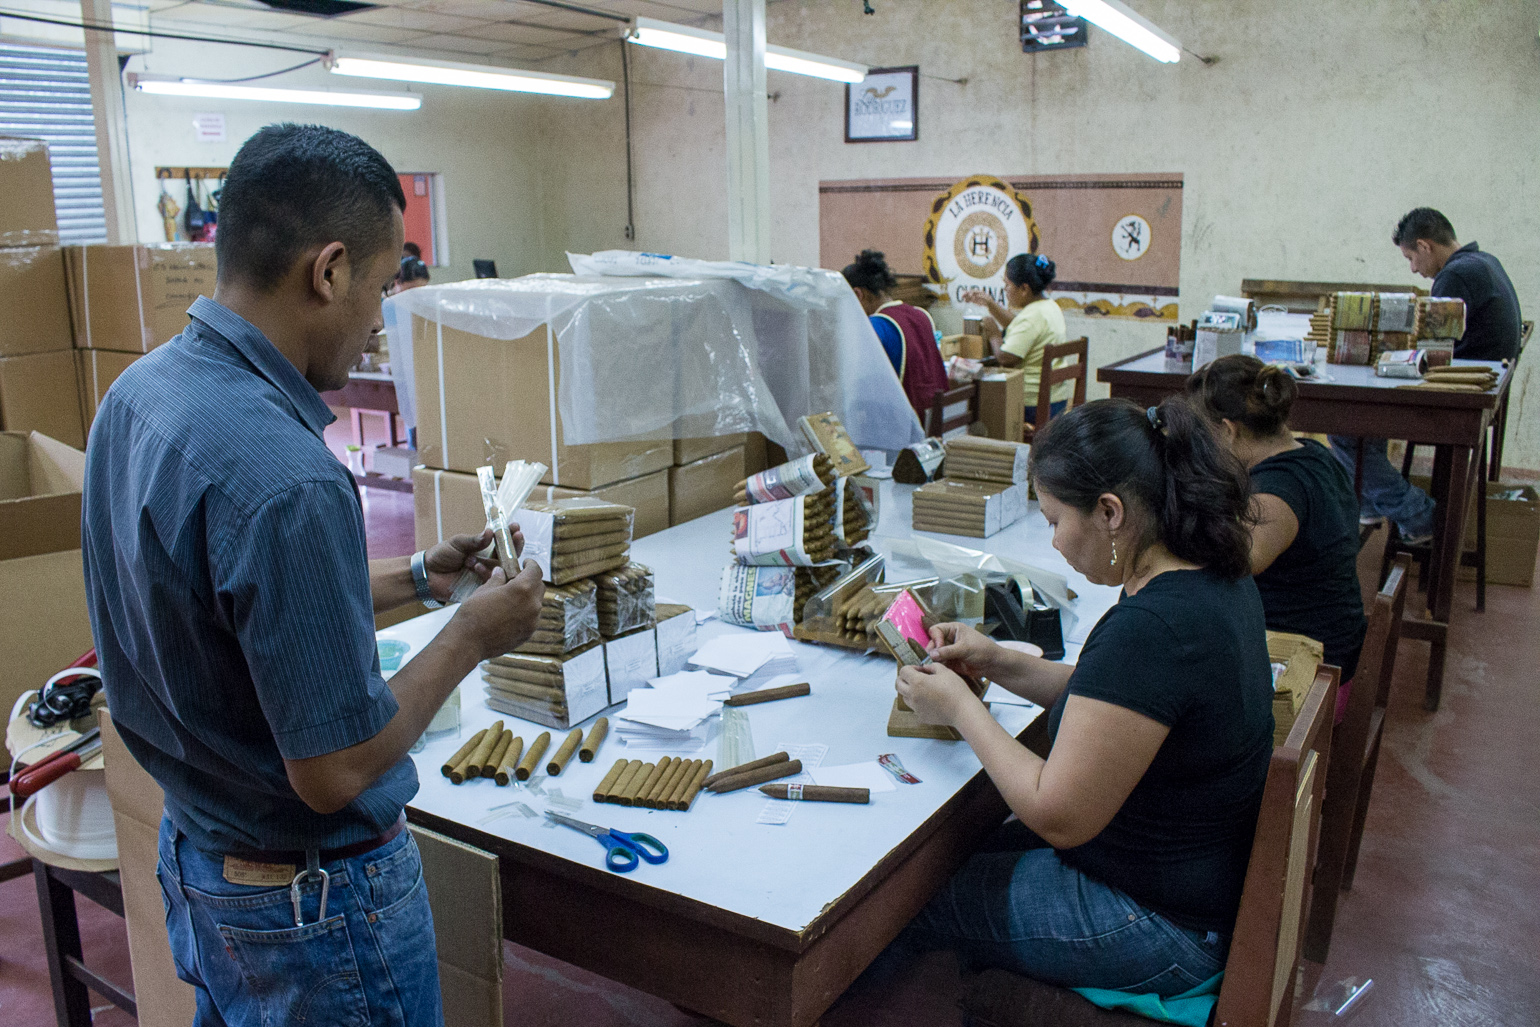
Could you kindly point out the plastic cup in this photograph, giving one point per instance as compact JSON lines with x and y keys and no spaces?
{"x":392,"y":651}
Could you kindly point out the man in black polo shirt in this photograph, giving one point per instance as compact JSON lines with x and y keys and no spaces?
{"x":1428,"y":242}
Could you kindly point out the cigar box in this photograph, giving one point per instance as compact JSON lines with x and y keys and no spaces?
{"x":557,"y":691}
{"x":704,"y":486}
{"x":630,"y":660}
{"x":676,"y":637}
{"x":827,"y":434}
{"x":1002,"y":404}
{"x":977,"y":509}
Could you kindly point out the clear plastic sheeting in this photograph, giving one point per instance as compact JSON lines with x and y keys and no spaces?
{"x":962,"y":567}
{"x":685,"y":357}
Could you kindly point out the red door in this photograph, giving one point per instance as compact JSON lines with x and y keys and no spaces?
{"x":419,"y":213}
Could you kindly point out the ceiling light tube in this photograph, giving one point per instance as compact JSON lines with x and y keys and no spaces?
{"x":1127,"y":25}
{"x":475,"y":76}
{"x":324,"y":97}
{"x":704,"y":43}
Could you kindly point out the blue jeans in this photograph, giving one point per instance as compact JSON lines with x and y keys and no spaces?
{"x":1385,"y":492}
{"x":1027,"y":912}
{"x":1054,"y":410}
{"x":370,"y":961}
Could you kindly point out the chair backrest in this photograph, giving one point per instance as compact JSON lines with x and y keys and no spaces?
{"x":1258,"y":989}
{"x":957,"y":407}
{"x":1051,"y":376}
{"x":1377,"y":665}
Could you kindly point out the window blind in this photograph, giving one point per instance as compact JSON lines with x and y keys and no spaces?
{"x":46,"y":94}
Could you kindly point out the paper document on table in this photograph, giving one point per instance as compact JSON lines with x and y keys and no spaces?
{"x":778,"y":811}
{"x":742,"y":654}
{"x":868,"y":775}
{"x":996,"y":694}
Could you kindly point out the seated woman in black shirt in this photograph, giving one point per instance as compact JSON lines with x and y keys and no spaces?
{"x":1304,"y":547}
{"x":1138,"y":827}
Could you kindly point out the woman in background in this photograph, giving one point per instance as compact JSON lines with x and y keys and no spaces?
{"x":906,"y":332}
{"x":1031,"y":321}
{"x":413,"y":275}
{"x":1304,"y":547}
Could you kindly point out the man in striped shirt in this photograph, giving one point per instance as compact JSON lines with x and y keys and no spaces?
{"x":232,"y":604}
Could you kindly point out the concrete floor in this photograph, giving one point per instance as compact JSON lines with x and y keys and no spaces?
{"x":1443,"y":914}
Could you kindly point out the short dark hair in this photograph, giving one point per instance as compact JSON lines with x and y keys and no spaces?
{"x":292,"y":187}
{"x":1163,"y":461}
{"x":870,"y":272}
{"x":412,"y":268}
{"x":1422,"y":223}
{"x":1031,"y":270}
{"x":1242,"y":389}
{"x":412,"y":248}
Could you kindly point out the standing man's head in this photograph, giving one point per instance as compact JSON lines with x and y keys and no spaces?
{"x":310,"y":236}
{"x":871,"y":279}
{"x":1426,"y":239}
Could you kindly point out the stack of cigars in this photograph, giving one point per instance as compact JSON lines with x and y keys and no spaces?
{"x":669,"y":784}
{"x":569,"y":620}
{"x":531,"y":685}
{"x":627,"y":599}
{"x":587,"y":537}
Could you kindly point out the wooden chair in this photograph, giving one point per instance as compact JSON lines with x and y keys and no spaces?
{"x":1052,"y":375}
{"x":957,"y":407}
{"x":1354,"y":747}
{"x":1258,"y":988}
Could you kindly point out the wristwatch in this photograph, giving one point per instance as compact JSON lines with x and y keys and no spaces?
{"x":420,"y":581}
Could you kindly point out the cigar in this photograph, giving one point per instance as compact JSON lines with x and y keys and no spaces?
{"x":531,"y":758}
{"x":464,"y":751}
{"x":589,"y":555}
{"x":584,"y":571}
{"x":638,"y":780}
{"x":471,"y":766}
{"x":769,"y":694}
{"x":510,"y":760}
{"x":660,"y":795}
{"x":733,"y":782}
{"x":817,"y":793}
{"x":588,"y":529}
{"x":525,"y":690}
{"x":743,"y":768}
{"x":621,"y":783}
{"x":568,"y":747}
{"x":567,"y":546}
{"x":694,"y":788}
{"x":602,"y":792}
{"x":495,"y":760}
{"x":662,"y":772}
{"x":595,"y":738}
{"x":681,"y":783}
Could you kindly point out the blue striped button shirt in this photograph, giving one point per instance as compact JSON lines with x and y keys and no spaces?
{"x":228,"y":585}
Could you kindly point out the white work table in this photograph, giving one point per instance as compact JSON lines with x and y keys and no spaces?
{"x":765,"y":894}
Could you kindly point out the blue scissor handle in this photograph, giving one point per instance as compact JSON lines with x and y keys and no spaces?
{"x":626,"y":848}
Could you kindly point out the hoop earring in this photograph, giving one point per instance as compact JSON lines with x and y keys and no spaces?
{"x":1114,"y":551}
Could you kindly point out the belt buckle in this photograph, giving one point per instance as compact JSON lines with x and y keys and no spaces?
{"x":294,"y":892}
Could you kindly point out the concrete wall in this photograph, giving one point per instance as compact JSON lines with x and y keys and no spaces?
{"x":1320,"y":125}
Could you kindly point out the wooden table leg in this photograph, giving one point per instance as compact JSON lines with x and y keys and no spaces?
{"x":61,"y":942}
{"x":1451,"y":485}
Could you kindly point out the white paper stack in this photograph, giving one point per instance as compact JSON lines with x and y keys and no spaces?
{"x":674,"y":713}
{"x":744,"y":654}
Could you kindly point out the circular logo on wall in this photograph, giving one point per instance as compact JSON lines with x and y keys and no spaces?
{"x":1131,"y":237}
{"x":973,"y":229}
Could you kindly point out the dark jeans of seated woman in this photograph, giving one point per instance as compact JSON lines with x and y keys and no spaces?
{"x":1016,"y":906}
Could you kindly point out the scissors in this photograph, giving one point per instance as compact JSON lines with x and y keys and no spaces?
{"x":624,"y":849}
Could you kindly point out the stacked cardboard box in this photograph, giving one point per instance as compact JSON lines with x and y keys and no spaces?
{"x":37,"y":371}
{"x":705,"y":485}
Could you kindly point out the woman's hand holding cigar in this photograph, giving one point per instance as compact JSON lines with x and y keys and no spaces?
{"x":936,"y":695}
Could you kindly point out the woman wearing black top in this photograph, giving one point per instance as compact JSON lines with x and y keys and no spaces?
{"x":1304,"y":548}
{"x":1138,"y":827}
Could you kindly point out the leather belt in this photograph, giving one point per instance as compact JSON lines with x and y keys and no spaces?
{"x":298,"y":856}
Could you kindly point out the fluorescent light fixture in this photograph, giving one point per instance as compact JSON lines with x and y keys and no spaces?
{"x":703,"y":43}
{"x":476,"y":76}
{"x":1128,"y":26}
{"x":228,"y":91}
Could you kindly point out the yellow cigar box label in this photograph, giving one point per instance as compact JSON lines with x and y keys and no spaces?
{"x":258,"y":875}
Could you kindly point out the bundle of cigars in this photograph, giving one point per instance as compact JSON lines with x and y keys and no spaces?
{"x":1358,"y":327}
{"x":586,"y":536}
{"x":797,"y":532}
{"x":1457,"y":378}
{"x":627,"y":599}
{"x":669,"y":784}
{"x":971,"y":507}
{"x":569,"y":619}
{"x":980,"y":459}
{"x":809,"y":581}
{"x":499,"y":754}
{"x":800,"y":477}
{"x":558,"y":691}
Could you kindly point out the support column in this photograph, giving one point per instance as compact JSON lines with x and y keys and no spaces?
{"x":111,"y":123}
{"x":748,"y":131}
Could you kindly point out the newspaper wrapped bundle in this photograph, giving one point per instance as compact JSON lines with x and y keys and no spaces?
{"x":981,"y":459}
{"x":573,"y":539}
{"x":802,"y":477}
{"x":1440,"y":317}
{"x":1350,"y":347}
{"x":917,"y":464}
{"x":790,"y":533}
{"x":1396,"y":312}
{"x":757,"y":597}
{"x":626,"y":599}
{"x":1353,"y":311}
{"x":974,"y":508}
{"x":558,"y":691}
{"x":853,"y":518}
{"x":569,"y":619}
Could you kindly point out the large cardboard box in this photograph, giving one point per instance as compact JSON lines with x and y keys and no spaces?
{"x":1513,"y":531}
{"x":34,"y":312}
{"x":697,"y":489}
{"x":26,"y":181}
{"x":134,"y":298}
{"x":96,"y":370}
{"x":42,"y":586}
{"x":482,"y":401}
{"x":449,"y":503}
{"x":38,"y":392}
{"x":1002,"y":404}
{"x":687,"y":451}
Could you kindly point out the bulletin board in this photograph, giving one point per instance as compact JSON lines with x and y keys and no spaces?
{"x":1116,"y":240}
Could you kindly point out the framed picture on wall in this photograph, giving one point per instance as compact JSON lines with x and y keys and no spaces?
{"x":885,"y":108}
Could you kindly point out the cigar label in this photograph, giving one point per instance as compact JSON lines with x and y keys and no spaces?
{"x":890,"y":762}
{"x":817,"y":793}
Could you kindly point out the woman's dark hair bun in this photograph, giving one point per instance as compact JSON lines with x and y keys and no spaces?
{"x":1030,"y":270}
{"x":870,"y":271}
{"x":1242,"y":389}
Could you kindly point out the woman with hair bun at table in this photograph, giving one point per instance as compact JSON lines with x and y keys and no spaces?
{"x":1125,"y":869}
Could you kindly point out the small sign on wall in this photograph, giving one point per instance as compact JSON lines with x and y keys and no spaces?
{"x":209,"y":128}
{"x":885,"y":108}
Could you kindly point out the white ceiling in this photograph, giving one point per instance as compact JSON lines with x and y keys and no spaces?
{"x":496,"y":31}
